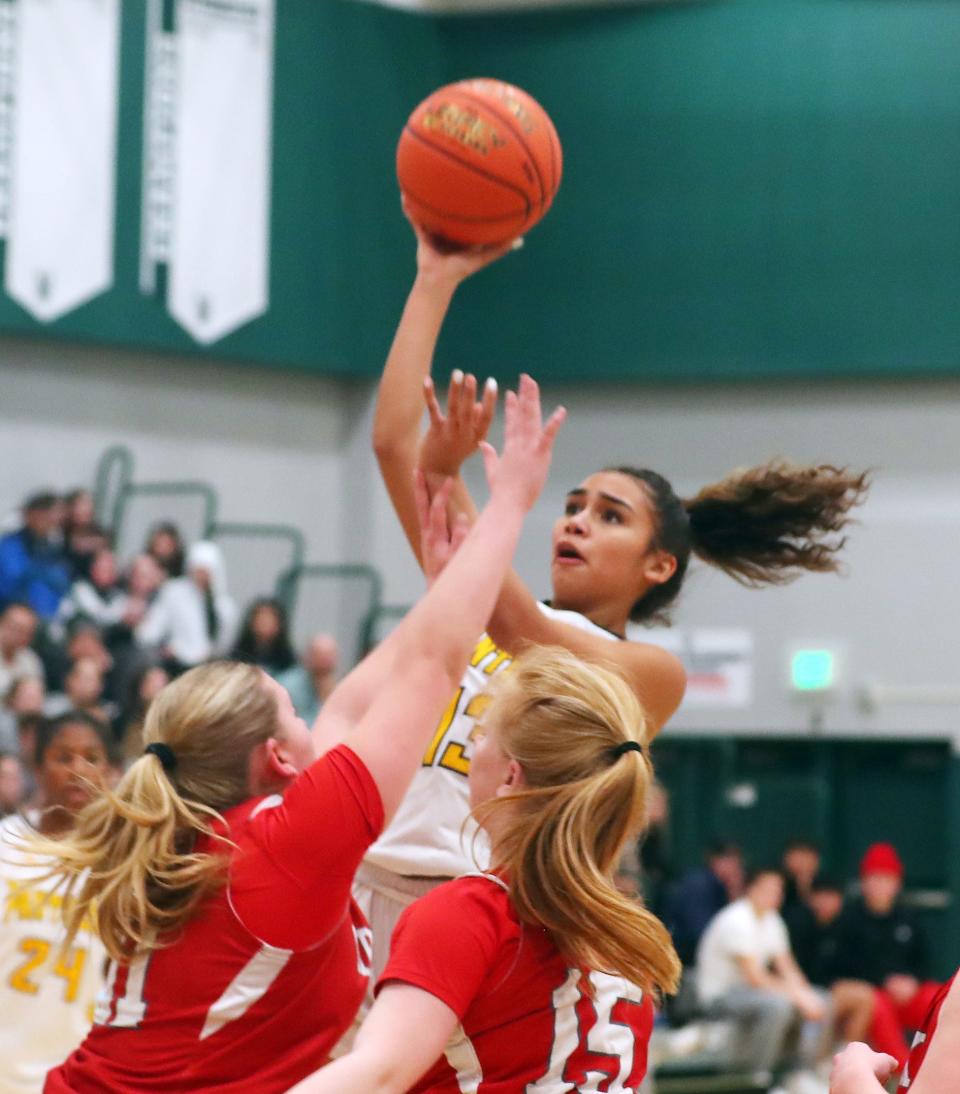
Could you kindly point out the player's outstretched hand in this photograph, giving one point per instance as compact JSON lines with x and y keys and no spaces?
{"x":453,"y":437}
{"x":855,"y":1069}
{"x":521,"y":470}
{"x":440,"y":263}
{"x":439,"y":539}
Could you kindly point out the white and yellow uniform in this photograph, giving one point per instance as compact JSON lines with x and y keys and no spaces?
{"x":46,"y":1000}
{"x":431,"y":838}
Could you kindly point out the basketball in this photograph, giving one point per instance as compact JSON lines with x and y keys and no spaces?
{"x":479,"y":162}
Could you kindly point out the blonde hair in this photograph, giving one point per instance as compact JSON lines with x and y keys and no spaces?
{"x":130,"y":863}
{"x":561,"y":720}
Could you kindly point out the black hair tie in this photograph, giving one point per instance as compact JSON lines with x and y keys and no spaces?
{"x":164,"y":753}
{"x":627,"y":746}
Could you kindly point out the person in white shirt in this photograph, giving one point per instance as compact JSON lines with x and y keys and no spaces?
{"x":746,"y":972}
{"x":193,"y":618}
{"x":46,"y":997}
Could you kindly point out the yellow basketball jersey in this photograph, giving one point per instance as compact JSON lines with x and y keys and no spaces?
{"x":46,"y":998}
{"x":428,"y":837}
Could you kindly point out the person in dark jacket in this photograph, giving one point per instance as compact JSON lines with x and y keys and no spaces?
{"x":880,"y":941}
{"x":33,"y":567}
{"x":700,"y":894}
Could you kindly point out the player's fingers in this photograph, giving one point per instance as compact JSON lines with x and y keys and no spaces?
{"x":453,"y":393}
{"x":433,"y":406}
{"x":468,"y":396}
{"x":510,"y":415}
{"x":490,"y":461}
{"x":552,"y":428}
{"x":528,"y":392}
{"x":487,"y":408}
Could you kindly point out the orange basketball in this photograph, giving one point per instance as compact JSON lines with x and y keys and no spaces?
{"x":479,"y":162}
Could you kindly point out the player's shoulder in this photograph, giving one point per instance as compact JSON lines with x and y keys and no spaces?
{"x":478,"y":904}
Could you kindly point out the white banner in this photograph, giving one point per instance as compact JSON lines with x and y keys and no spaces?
{"x":62,"y":163}
{"x":219,"y":217}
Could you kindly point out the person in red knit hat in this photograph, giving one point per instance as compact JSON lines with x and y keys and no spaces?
{"x":881,"y":941}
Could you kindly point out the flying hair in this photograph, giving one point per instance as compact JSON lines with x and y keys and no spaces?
{"x":761,"y":525}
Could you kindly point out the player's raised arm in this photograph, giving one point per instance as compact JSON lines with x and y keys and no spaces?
{"x":432,"y":644}
{"x":399,"y":409}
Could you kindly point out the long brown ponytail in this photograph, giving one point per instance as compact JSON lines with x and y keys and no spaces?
{"x":763,"y":526}
{"x":562,"y":720}
{"x":130,"y":866}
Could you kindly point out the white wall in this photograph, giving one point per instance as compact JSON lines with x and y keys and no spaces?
{"x":283,"y":447}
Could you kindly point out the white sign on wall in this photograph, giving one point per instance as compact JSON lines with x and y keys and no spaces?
{"x":718,"y":660}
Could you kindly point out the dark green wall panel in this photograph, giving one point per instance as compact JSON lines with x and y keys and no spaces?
{"x":753,"y":188}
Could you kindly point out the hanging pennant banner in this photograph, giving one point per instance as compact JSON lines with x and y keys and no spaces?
{"x":62,"y":153}
{"x":219,"y":214}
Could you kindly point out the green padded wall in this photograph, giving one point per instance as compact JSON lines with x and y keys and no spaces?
{"x":753,"y":188}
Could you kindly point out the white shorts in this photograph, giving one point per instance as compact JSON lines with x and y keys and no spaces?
{"x":382,"y":897}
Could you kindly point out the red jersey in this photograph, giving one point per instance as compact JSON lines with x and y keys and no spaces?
{"x":924,"y":1036}
{"x":259,"y":986}
{"x":526,"y":1023}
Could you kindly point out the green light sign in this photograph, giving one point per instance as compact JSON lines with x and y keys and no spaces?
{"x":812,"y":670}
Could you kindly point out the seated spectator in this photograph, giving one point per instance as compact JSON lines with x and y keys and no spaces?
{"x":144,"y":688}
{"x":82,"y":536}
{"x":880,"y":941}
{"x":801,"y":864}
{"x":96,"y":598}
{"x":13,"y":786}
{"x":28,"y":729}
{"x":700,"y":894}
{"x":144,"y":579}
{"x":26,"y":696}
{"x":816,"y":946}
{"x":746,"y":972}
{"x":18,"y":627}
{"x":654,"y":851}
{"x":33,"y":566}
{"x":83,"y":691}
{"x":310,"y":683}
{"x":165,"y":546}
{"x":264,"y":638}
{"x":192,"y":617}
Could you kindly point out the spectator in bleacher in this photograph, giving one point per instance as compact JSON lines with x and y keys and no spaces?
{"x":700,"y":893}
{"x":12,"y":783}
{"x":816,"y":944}
{"x":28,"y":727}
{"x":310,"y":683}
{"x":165,"y":545}
{"x":143,"y":689}
{"x":654,"y":851}
{"x":264,"y":637}
{"x":24,"y":696}
{"x":82,"y":536}
{"x":192,"y":618}
{"x":96,"y":597}
{"x":18,"y":627}
{"x":33,"y":566}
{"x":801,"y":864}
{"x":747,"y":973}
{"x":881,"y":941}
{"x":83,"y":691}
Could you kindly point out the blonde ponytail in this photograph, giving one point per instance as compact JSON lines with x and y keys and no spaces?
{"x":564,"y":722}
{"x":130,"y":865}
